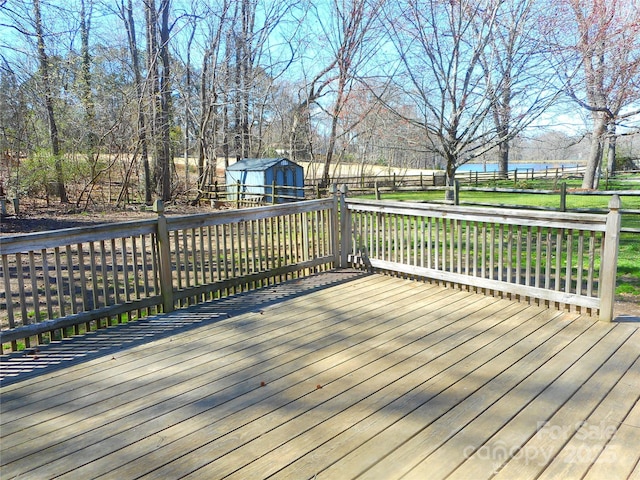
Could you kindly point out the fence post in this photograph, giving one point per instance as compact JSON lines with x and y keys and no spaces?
{"x":563,"y":197}
{"x":273,"y":193}
{"x":238,"y":194}
{"x":609,"y":263}
{"x":345,"y":228}
{"x":164,"y":252}
{"x":377,"y":190}
{"x":456,"y":192}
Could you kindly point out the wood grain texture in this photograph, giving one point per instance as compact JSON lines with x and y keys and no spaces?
{"x":361,"y":376}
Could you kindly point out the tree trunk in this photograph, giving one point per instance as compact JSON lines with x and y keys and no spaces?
{"x":337,"y":108}
{"x":127,"y":16}
{"x":48,"y":100}
{"x":592,"y":169}
{"x":153,"y":92}
{"x":451,"y":177}
{"x":165,"y":105}
{"x":611,"y":152}
{"x":503,"y":158}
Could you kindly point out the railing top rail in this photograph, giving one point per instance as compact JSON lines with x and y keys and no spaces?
{"x":580,"y":221}
{"x":69,"y":236}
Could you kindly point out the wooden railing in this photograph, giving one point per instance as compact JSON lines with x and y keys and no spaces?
{"x":568,"y":259}
{"x":71,"y":281}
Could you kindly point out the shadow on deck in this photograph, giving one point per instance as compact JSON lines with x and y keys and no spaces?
{"x":341,"y":375}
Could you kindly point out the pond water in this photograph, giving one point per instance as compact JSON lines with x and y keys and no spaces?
{"x":493,"y":167}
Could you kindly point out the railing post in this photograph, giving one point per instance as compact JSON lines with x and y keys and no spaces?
{"x":609,"y":262}
{"x":335,"y":225}
{"x":345,"y":228}
{"x":162,"y":235}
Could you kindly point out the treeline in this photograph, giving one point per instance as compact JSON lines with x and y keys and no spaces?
{"x":114,"y":90}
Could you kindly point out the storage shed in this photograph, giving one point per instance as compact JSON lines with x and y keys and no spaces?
{"x":255,"y":178}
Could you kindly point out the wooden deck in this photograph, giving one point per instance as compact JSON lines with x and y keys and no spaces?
{"x":343,"y":375}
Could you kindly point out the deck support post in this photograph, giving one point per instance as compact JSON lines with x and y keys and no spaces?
{"x":609,"y":262}
{"x":166,"y":281}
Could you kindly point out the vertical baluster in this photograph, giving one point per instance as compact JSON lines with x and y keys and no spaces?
{"x":116,"y":275}
{"x":568,"y":287}
{"x":559,"y":241}
{"x":415,"y":225}
{"x":104,"y":275}
{"x":476,"y":257}
{"x":509,"y":260}
{"x":248,"y":251}
{"x":549,"y":247}
{"x":492,"y":252}
{"x":430,"y":246}
{"x":483,"y":255}
{"x":72,"y":287}
{"x":136,"y":268}
{"x":210,"y":253}
{"x":580,"y":262}
{"x":83,"y":284}
{"x":145,"y":267}
{"x":501,"y":242}
{"x":20,"y":277}
{"x":466,"y":246}
{"x":192,"y":254}
{"x":592,"y":256}
{"x":59,"y":282}
{"x":436,"y":243}
{"x":35,"y":293}
{"x":444,"y":237}
{"x":457,"y":251}
{"x":6,"y":276}
{"x":225,"y":252}
{"x":185,"y":264}
{"x":529,"y":255}
{"x":422,"y":237}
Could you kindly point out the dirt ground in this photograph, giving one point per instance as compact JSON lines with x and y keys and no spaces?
{"x":33,"y":218}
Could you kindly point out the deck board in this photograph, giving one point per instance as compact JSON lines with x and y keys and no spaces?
{"x":368,"y":377}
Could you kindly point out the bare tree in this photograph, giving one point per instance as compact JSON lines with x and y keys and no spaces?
{"x":601,"y":37}
{"x":350,"y":30}
{"x":164,"y":159}
{"x":158,"y":85}
{"x":48,"y":101}
{"x":519,"y":72}
{"x":126,"y":13}
{"x":440,"y":46}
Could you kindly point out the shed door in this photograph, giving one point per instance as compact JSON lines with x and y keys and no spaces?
{"x":286,"y":180}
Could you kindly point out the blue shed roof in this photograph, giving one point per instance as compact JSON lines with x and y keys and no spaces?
{"x":257,"y":164}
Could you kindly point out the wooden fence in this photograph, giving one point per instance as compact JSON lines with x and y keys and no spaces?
{"x":67,"y":282}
